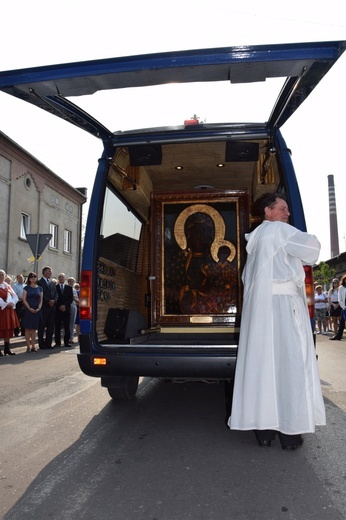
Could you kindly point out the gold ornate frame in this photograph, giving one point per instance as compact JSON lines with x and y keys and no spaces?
{"x":198,"y":254}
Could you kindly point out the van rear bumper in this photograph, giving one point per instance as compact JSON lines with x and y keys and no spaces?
{"x":206,"y":366}
{"x":212,"y":361}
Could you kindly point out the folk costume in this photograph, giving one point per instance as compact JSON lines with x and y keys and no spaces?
{"x":277,"y":386}
{"x":8,"y":316}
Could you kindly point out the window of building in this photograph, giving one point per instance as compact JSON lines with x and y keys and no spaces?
{"x":24,"y":225}
{"x":67,"y":241}
{"x":55,"y":200}
{"x":53,"y":229}
{"x":27,"y":182}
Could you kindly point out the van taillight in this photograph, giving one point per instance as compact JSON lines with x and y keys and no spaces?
{"x":85,"y":295}
{"x":310,"y":291}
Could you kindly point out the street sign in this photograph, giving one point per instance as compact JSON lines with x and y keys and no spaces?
{"x":38,"y":243}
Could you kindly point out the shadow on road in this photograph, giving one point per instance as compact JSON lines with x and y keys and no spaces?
{"x":168,"y":455}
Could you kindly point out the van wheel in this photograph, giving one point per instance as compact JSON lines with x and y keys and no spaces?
{"x":126,"y":391}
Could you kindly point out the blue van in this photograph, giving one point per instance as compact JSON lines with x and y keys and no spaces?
{"x":164,"y":249}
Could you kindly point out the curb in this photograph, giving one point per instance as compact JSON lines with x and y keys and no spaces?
{"x":19,"y":341}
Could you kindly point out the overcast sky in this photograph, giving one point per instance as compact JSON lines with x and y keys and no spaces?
{"x":43,"y":33}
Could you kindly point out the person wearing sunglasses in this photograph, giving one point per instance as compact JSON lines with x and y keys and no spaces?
{"x":32,"y":301}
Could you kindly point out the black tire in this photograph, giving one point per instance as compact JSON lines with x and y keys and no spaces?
{"x":125,"y":392}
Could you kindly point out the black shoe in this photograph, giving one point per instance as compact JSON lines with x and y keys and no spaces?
{"x":264,"y":438}
{"x":334,"y":337}
{"x":293,"y":446}
{"x":264,"y":444}
{"x":9,"y":353}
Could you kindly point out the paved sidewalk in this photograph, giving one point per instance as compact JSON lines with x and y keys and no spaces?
{"x":332,"y":368}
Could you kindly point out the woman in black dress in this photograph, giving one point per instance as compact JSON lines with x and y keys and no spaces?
{"x":32,"y":301}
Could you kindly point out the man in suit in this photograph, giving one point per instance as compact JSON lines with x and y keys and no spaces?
{"x":63,"y":310}
{"x":47,"y":321}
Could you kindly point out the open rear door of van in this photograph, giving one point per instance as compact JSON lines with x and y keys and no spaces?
{"x":301,"y":67}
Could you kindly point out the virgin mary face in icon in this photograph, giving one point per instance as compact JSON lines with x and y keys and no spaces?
{"x":200,"y":232}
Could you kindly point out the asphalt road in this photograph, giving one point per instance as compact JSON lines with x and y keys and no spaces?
{"x":69,"y":452}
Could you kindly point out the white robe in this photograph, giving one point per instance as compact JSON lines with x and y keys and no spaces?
{"x":277,"y":386}
{"x":11,"y":296}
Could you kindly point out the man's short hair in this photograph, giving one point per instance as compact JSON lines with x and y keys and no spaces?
{"x":268,"y":200}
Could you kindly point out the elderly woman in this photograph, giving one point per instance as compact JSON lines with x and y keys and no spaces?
{"x":74,"y":308}
{"x":8,"y":316}
{"x":321,"y":306}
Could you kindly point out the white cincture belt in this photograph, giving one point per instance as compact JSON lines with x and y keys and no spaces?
{"x":285,"y":288}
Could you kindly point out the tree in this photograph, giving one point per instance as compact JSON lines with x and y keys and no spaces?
{"x":323,"y":274}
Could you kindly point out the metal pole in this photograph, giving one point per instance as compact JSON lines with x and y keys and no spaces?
{"x":36,"y":252}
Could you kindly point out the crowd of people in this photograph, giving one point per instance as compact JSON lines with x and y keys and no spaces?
{"x":339,"y":310}
{"x":44,"y":307}
{"x":330,"y":308}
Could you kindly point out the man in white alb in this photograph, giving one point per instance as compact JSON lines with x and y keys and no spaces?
{"x":277,"y":389}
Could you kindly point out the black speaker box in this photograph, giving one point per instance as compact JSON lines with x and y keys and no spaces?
{"x":145,"y":155}
{"x":240,"y":151}
{"x":123,"y":324}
